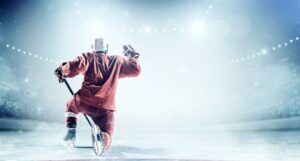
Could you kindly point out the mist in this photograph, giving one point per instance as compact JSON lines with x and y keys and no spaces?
{"x":203,"y":62}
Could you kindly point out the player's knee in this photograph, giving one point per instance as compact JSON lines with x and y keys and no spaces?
{"x":107,"y":140}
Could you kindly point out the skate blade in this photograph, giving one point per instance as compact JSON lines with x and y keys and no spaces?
{"x":98,"y":146}
{"x":70,"y":143}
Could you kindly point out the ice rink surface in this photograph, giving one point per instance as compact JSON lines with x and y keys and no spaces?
{"x":136,"y":144}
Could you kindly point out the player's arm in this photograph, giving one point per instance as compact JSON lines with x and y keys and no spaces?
{"x":130,"y":68}
{"x":72,"y":68}
{"x":130,"y":65}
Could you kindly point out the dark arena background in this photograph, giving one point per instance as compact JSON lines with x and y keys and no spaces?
{"x":220,"y":79}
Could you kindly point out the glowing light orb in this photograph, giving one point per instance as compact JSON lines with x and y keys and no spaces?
{"x":147,"y":29}
{"x":264,"y":51}
{"x":198,"y":27}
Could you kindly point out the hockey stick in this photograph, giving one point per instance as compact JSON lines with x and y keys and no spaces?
{"x":98,"y":151}
{"x":71,"y":91}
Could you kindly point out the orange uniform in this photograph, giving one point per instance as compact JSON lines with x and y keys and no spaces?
{"x":96,"y":97}
{"x":101,"y":74}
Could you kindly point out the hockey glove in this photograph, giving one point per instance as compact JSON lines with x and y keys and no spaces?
{"x":59,"y":75}
{"x":129,"y":52}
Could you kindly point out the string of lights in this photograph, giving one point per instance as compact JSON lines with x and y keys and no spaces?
{"x":262,"y":52}
{"x":14,"y":49}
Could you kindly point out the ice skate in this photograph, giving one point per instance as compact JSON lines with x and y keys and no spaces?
{"x":70,"y":137}
{"x":97,"y":140}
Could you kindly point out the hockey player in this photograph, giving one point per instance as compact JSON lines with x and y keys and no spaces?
{"x":96,"y":97}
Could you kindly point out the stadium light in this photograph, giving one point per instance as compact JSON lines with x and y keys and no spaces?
{"x":264,"y":51}
{"x":147,"y":29}
{"x":26,"y":80}
{"x":197,"y":27}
